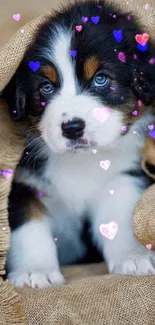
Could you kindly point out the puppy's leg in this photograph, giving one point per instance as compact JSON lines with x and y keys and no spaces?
{"x":124,"y":254}
{"x":32,"y":257}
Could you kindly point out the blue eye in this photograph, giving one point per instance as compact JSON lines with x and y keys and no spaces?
{"x":100,"y":80}
{"x":46,"y":88}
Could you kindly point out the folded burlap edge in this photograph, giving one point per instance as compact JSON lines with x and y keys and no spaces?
{"x":9,"y":64}
{"x":6,"y":291}
{"x":16,"y":50}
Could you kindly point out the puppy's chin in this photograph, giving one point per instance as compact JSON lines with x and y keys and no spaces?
{"x":82,"y":145}
{"x":62,"y":145}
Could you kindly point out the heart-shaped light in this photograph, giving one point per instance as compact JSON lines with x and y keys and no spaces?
{"x":109,"y":230}
{"x":79,"y":28}
{"x":101,"y":114}
{"x":105,"y":164}
{"x":16,"y":17}
{"x":142,"y":38}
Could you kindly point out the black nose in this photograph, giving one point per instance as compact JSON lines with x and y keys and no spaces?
{"x":73,"y":129}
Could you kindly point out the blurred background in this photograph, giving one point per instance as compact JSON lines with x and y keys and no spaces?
{"x":28,"y":9}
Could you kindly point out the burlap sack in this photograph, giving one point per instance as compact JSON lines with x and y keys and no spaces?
{"x":100,"y":300}
{"x":11,"y":309}
{"x":144,"y":213}
{"x":144,"y":218}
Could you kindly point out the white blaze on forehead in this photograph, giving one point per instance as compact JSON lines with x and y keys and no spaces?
{"x":67,"y":105}
{"x":61,"y":48}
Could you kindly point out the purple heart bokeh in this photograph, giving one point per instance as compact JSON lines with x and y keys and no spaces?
{"x":122,"y":57}
{"x":84,"y":19}
{"x":118,"y":35}
{"x":95,"y":19}
{"x":152,"y":61}
{"x":43,"y":103}
{"x":73,"y":53}
{"x":124,"y":128}
{"x":142,"y":48}
{"x":135,"y":113}
{"x":152,"y":134}
{"x":34,"y":66}
{"x":7,"y":173}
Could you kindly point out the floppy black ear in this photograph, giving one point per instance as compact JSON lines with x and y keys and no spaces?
{"x":16,"y":98}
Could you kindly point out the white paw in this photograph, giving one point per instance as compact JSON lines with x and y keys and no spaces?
{"x":136,"y":265}
{"x":36,"y":279}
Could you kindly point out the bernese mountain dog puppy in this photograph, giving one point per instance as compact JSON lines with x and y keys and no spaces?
{"x":86,"y":85}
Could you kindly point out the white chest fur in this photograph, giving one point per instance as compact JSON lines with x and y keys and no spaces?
{"x":79,"y":177}
{"x":78,"y":185}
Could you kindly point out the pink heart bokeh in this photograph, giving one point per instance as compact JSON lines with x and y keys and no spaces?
{"x":122,"y":57}
{"x":140,"y":103}
{"x":7,"y":173}
{"x":105,"y":164}
{"x":151,"y":127}
{"x":142,"y":38}
{"x":101,"y":114}
{"x":148,"y":246}
{"x":79,"y":28}
{"x":109,"y":230}
{"x":16,"y":17}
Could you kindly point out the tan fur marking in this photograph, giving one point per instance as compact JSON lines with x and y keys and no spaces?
{"x":149,"y":150}
{"x":50,"y":73}
{"x":90,"y":67}
{"x":149,"y":157}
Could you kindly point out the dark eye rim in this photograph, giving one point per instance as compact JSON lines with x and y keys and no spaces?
{"x":46,"y":93}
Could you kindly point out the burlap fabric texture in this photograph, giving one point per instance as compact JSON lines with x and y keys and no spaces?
{"x":89,"y":298}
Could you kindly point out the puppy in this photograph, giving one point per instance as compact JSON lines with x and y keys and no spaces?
{"x":86,"y":85}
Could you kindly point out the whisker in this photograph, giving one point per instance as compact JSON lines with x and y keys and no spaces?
{"x":36,"y":142}
{"x":34,"y":152}
{"x":35,"y":159}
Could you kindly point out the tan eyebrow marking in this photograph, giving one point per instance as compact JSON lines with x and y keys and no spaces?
{"x":90,"y":67}
{"x":50,"y":73}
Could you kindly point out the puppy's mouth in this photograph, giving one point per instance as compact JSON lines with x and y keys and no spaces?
{"x":77,"y":144}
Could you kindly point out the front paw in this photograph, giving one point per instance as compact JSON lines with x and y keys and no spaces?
{"x":136,"y":265}
{"x":38,"y":279}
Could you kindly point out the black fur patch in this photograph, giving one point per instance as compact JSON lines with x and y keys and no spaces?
{"x":94,"y":39}
{"x":139,"y":175}
{"x":93,"y":255}
{"x":135,"y":172}
{"x":150,"y":168}
{"x":19,"y":198}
